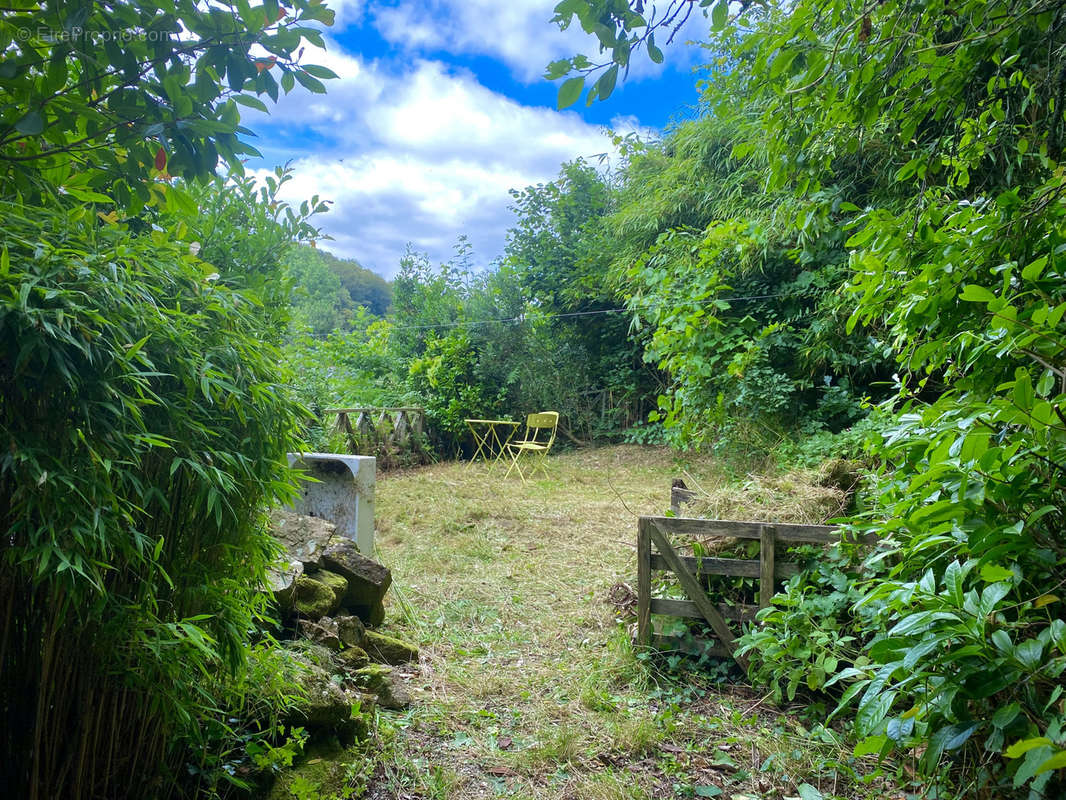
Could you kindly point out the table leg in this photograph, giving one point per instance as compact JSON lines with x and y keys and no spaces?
{"x":480,"y":441}
{"x":503,"y":445}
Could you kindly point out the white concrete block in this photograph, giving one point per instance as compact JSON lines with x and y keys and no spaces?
{"x":342,"y":492}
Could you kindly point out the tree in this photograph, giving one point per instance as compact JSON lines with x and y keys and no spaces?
{"x":365,"y":287}
{"x":320,"y":303}
{"x":100,"y":98}
{"x":560,"y":254}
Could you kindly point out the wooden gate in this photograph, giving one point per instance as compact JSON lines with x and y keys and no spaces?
{"x":656,"y":552}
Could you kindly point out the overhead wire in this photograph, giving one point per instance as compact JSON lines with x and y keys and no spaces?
{"x":570,"y":314}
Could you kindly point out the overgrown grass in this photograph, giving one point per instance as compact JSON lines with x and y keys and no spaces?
{"x":529,"y":686}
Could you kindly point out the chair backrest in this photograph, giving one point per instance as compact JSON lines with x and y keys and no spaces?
{"x":540,"y":427}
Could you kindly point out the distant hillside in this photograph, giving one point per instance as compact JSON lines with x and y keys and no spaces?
{"x":365,"y":287}
{"x":328,"y":289}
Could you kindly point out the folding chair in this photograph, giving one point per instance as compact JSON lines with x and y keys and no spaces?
{"x":535,"y":443}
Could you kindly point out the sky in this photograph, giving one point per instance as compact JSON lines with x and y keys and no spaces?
{"x":439,"y":110}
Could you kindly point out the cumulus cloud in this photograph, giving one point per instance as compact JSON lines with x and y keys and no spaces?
{"x":516,"y":32}
{"x":418,"y":157}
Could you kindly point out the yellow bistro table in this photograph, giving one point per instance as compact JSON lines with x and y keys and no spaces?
{"x":491,"y":437}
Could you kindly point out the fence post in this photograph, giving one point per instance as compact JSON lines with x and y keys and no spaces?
{"x":767,"y":546}
{"x":643,"y":582}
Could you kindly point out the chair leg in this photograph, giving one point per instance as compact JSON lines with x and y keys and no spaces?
{"x":542,"y":464}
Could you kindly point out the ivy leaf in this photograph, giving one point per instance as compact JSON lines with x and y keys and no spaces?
{"x":871,"y":745}
{"x":994,"y":572}
{"x":570,"y":91}
{"x":1032,"y":271}
{"x":1024,"y":394}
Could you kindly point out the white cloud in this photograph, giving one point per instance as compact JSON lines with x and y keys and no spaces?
{"x":347,"y":12}
{"x":420,"y":157}
{"x":517,"y":32}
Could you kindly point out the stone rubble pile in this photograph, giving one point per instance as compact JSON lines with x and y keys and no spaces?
{"x":333,"y":596}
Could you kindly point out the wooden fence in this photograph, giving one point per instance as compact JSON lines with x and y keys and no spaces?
{"x":380,"y":431}
{"x":656,"y":552}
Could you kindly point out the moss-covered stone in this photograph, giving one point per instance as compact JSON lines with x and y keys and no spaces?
{"x":338,"y":583}
{"x":320,"y":633}
{"x":372,"y":615}
{"x":376,"y":616}
{"x":314,"y":599}
{"x":385,"y":684}
{"x":367,"y":579}
{"x":325,"y":704}
{"x":322,"y":773}
{"x":351,"y":631}
{"x":389,"y":649}
{"x":353,"y":658}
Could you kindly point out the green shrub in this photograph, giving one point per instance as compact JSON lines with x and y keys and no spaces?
{"x":144,"y":430}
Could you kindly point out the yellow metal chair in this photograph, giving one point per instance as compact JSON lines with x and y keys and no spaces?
{"x":535,"y":444}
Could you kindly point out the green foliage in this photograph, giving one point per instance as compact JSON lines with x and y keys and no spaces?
{"x":445,"y":376}
{"x":320,"y":303}
{"x":364,"y":287}
{"x":99,"y":100}
{"x":809,"y":639}
{"x":540,"y":331}
{"x":142,"y":409}
{"x":621,"y":28}
{"x":328,"y":290}
{"x":955,"y":237}
{"x":739,"y":303}
{"x":244,"y":741}
{"x":141,"y":454}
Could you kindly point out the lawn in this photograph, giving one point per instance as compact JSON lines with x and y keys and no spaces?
{"x":528,"y":686}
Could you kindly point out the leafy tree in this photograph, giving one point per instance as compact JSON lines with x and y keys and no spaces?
{"x":365,"y":287}
{"x":99,"y":97}
{"x":738,"y":300}
{"x":320,"y":303}
{"x":558,"y":252}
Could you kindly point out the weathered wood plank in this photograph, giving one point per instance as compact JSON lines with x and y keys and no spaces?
{"x":688,"y":609}
{"x":767,"y":546}
{"x":789,"y":533}
{"x":736,"y":567}
{"x":678,"y":497}
{"x":690,"y":645}
{"x":643,"y":582}
{"x":693,"y":589}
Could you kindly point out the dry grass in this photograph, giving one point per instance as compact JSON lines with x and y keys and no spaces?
{"x":528,"y":685}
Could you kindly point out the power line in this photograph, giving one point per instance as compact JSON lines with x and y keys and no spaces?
{"x":570,"y":314}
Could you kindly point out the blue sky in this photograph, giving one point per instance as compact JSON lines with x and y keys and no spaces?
{"x":439,"y":110}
